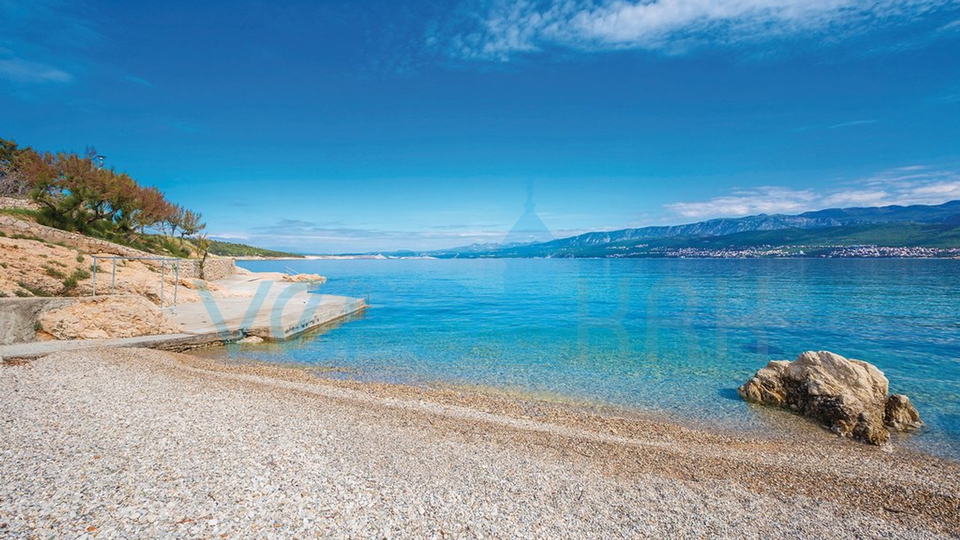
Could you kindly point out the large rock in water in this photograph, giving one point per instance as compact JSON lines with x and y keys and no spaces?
{"x":848,"y":396}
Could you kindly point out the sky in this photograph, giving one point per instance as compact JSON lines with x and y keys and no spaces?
{"x":331,"y":127}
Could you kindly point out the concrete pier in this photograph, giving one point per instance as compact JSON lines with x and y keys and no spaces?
{"x":262,"y":305}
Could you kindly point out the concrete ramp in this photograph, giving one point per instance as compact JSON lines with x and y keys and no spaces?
{"x":261,"y":305}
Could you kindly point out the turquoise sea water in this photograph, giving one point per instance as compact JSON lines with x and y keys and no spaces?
{"x":672,"y":336}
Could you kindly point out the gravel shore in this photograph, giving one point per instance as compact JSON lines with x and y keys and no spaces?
{"x":132,"y":443}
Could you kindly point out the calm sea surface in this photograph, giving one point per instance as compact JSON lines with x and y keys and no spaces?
{"x":671,"y":336}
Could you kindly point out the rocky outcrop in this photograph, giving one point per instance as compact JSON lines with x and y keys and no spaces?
{"x":214,"y":268}
{"x":106,"y":317}
{"x":848,"y":396}
{"x":18,"y":317}
{"x":900,"y":414}
{"x":305,"y":278}
{"x":15,"y":203}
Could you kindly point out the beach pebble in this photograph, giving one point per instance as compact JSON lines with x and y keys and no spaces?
{"x":139,"y":444}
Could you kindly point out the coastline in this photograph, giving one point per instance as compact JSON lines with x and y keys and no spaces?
{"x":738,"y":483}
{"x":431,"y":258}
{"x":765,"y":422}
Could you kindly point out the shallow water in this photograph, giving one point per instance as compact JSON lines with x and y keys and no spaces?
{"x":671,"y":336}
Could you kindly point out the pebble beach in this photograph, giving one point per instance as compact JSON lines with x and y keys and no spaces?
{"x":134,"y":443}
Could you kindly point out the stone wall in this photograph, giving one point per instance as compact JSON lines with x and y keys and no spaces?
{"x":18,"y":317}
{"x":18,"y":204}
{"x":12,"y":226}
{"x":214,"y":268}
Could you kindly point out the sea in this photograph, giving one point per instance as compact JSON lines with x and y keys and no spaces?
{"x":673,"y":337}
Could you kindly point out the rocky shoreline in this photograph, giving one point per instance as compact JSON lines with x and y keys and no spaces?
{"x":110,"y":443}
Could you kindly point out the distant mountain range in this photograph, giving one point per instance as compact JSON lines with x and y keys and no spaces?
{"x":831,"y":232}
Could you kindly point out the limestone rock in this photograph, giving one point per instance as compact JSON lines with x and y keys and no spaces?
{"x":848,"y":396}
{"x":900,"y":414}
{"x":106,"y":317}
{"x":299,"y":278}
{"x":252,"y":340}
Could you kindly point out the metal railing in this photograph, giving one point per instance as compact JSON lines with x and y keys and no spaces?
{"x":175,"y":263}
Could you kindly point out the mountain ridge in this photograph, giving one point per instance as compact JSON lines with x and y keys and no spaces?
{"x":849,"y":225}
{"x":817,"y":219}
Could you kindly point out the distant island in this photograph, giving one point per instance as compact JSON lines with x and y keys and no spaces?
{"x":231,"y":249}
{"x":917,"y":231}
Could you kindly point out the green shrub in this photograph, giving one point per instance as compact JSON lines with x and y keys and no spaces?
{"x":79,"y":257}
{"x":171,"y":246}
{"x":32,"y":290}
{"x":21,"y":212}
{"x":29,"y":237}
{"x":53,"y":272}
{"x":70,"y":284}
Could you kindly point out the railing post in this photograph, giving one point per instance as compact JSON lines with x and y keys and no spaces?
{"x":162,"y":272}
{"x":176,"y":282}
{"x":94,"y":275}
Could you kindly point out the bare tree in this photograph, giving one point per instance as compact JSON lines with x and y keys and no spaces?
{"x":13,"y":183}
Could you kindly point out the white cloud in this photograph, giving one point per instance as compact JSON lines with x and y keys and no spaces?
{"x":334,"y":237}
{"x":903,"y":186}
{"x":674,"y":25}
{"x":764,"y":200}
{"x":140,"y":81}
{"x":866,"y":197}
{"x":19,"y":70}
{"x":852,"y":123}
{"x":951,"y":27}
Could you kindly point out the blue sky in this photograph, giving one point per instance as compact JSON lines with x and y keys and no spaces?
{"x":380,"y":125}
